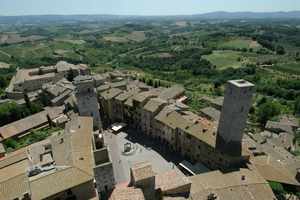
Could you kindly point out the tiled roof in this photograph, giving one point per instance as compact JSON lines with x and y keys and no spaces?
{"x":59,"y":181}
{"x":126,"y":94}
{"x":13,"y":157}
{"x":153,"y":104}
{"x":142,"y":171}
{"x":127,"y":193}
{"x":172,"y":92}
{"x":274,"y":170}
{"x":172,"y":181}
{"x":14,"y":187}
{"x":211,"y":112}
{"x":111,"y":93}
{"x":175,"y":119}
{"x":73,"y":164}
{"x":28,"y":123}
{"x":244,"y":184}
{"x":142,"y":96}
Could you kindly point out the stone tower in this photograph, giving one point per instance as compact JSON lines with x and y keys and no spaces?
{"x":86,"y":98}
{"x":237,"y":103}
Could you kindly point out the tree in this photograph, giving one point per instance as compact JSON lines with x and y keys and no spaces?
{"x":297,"y":106}
{"x":44,"y":99}
{"x":280,"y":50}
{"x":27,"y":100}
{"x":217,"y":83}
{"x":267,"y":110}
{"x":70,"y":75}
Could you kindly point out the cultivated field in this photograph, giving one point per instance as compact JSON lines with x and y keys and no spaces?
{"x":226,"y":59}
{"x":240,"y":43}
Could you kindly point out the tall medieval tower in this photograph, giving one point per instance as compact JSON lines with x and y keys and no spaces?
{"x":86,"y":98}
{"x":237,"y":103}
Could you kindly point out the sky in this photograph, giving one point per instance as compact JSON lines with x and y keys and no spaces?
{"x":141,"y":7}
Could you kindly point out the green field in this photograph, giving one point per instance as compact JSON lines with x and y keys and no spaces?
{"x":240,"y":44}
{"x":225,"y":59}
{"x":293,"y":68}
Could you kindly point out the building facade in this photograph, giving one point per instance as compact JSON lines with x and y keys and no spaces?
{"x":86,"y":99}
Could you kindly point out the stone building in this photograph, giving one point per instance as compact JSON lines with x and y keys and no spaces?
{"x":158,"y":186}
{"x":56,"y":93}
{"x":245,"y":184}
{"x":29,"y":80}
{"x":60,"y":167}
{"x":139,"y":101}
{"x":86,"y":99}
{"x":157,"y":113}
{"x":36,"y":121}
{"x":237,"y":103}
{"x":193,"y":137}
{"x":106,"y":100}
{"x":149,"y":111}
{"x":103,"y":171}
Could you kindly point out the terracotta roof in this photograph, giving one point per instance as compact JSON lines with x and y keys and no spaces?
{"x":171,"y":182}
{"x":141,"y":171}
{"x":142,"y":96}
{"x":59,"y":181}
{"x":244,"y":184}
{"x":154,"y":104}
{"x":14,"y":187}
{"x":273,"y":170}
{"x":73,"y":164}
{"x":111,"y":93}
{"x":14,"y":170}
{"x":127,"y":193}
{"x":13,"y":157}
{"x":211,"y":113}
{"x":172,"y":92}
{"x":126,"y":94}
{"x":175,"y":119}
{"x":36,"y":120}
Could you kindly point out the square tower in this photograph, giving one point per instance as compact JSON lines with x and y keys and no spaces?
{"x":237,"y":103}
{"x":86,"y":97}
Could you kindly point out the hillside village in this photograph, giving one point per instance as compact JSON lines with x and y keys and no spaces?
{"x":111,"y":136}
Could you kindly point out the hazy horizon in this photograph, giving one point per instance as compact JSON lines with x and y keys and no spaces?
{"x":141,"y":7}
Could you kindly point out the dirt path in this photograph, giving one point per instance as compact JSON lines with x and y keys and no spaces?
{"x":6,"y":54}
